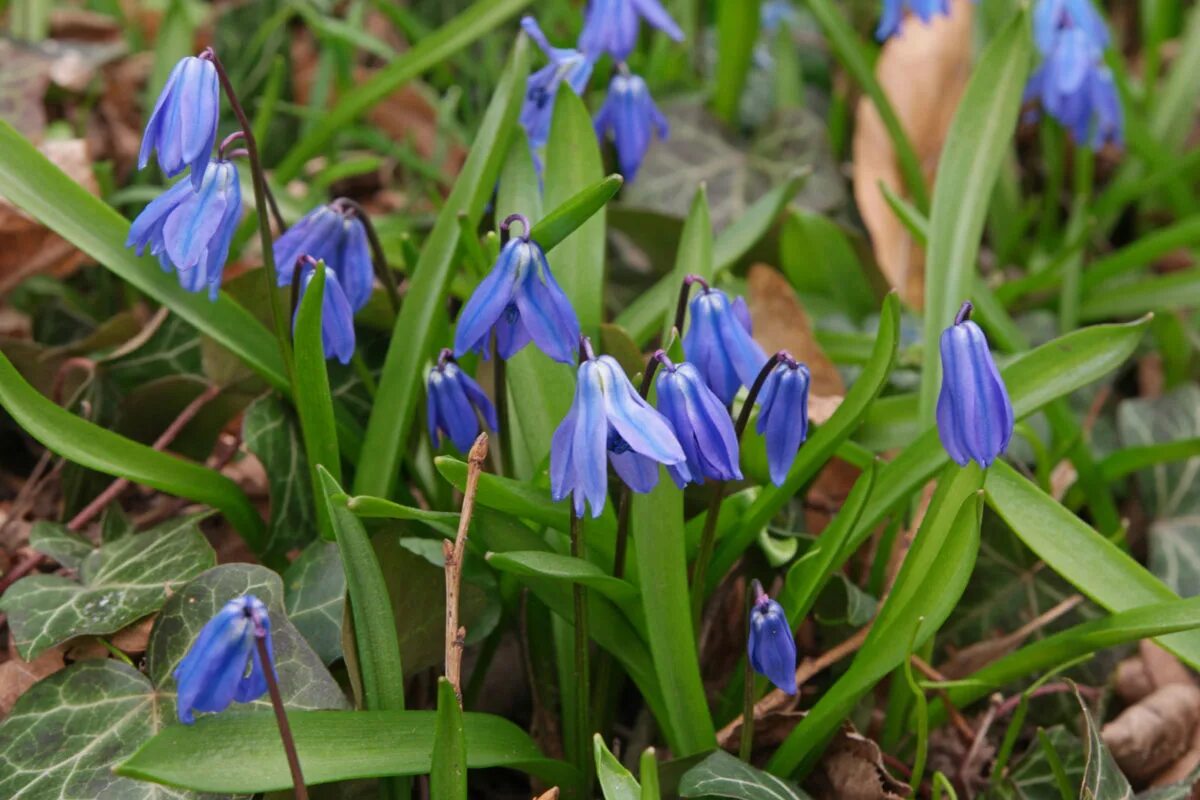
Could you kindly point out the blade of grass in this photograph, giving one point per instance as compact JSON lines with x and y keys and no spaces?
{"x":448,"y":767}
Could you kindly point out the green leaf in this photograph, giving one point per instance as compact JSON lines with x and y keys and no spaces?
{"x":737,"y":33}
{"x":316,"y":598}
{"x":444,"y":522}
{"x":270,"y":432}
{"x":695,"y":254}
{"x":118,"y":584}
{"x":1034,"y":778}
{"x":616,"y":782}
{"x":60,"y":543}
{"x":94,"y":447}
{"x":648,"y":773}
{"x":1174,"y":291}
{"x":818,"y":258}
{"x":573,"y":212}
{"x":565,"y":568}
{"x":448,"y":770}
{"x":1168,"y":123}
{"x":400,"y":384}
{"x":38,"y":187}
{"x":724,"y":775}
{"x":1102,"y":778}
{"x":976,"y":145}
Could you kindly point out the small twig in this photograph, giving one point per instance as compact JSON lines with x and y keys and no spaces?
{"x":454,"y":552}
{"x":977,"y":745}
{"x":285,"y":730}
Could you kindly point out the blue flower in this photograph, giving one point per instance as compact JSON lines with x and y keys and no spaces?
{"x":611,"y":26}
{"x":520,"y":301}
{"x":783,"y":414}
{"x":214,"y":672}
{"x":183,"y":125}
{"x":974,"y":414}
{"x":567,"y":65}
{"x":609,"y":420}
{"x":700,"y":422}
{"x":771,"y":647}
{"x":719,"y":344}
{"x":630,"y":113}
{"x":1073,"y":85}
{"x":334,"y":234}
{"x":190,"y":229}
{"x":337,"y":317}
{"x":455,"y":403}
{"x":1051,"y":17}
{"x":893,"y":14}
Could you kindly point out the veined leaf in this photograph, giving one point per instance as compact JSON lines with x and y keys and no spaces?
{"x":1102,"y":778}
{"x":270,"y":432}
{"x":723,"y":775}
{"x":316,"y":598}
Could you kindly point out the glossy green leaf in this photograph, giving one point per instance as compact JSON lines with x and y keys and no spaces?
{"x":695,"y":254}
{"x":448,"y":770}
{"x":401,"y":384}
{"x":616,"y":782}
{"x":91,"y":446}
{"x":724,"y":775}
{"x":60,"y":543}
{"x":240,"y":753}
{"x":976,"y":145}
{"x":316,"y":598}
{"x":737,"y":32}
{"x":648,"y":775}
{"x":568,"y":216}
{"x":270,"y":431}
{"x":564,"y":568}
{"x":444,"y":522}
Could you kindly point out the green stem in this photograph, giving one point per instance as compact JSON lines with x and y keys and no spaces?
{"x":582,"y":698}
{"x":504,"y":435}
{"x":704,"y":557}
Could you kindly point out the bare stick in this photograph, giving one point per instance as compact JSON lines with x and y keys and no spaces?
{"x":454,"y":552}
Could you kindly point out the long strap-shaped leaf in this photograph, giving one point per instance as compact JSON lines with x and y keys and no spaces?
{"x":94,"y":447}
{"x":314,"y":405}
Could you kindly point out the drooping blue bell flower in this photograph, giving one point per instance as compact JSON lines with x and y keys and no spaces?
{"x":337,"y":317}
{"x":700,"y":422}
{"x":893,"y":14}
{"x":1051,"y":17}
{"x":214,"y":673}
{"x":783,"y":414}
{"x":719,"y":344}
{"x":520,"y":301}
{"x":609,"y":420}
{"x":974,"y":413}
{"x":454,"y":404}
{"x":630,"y":113}
{"x":567,"y":65}
{"x":771,"y":647}
{"x":183,"y":126}
{"x":190,"y":229}
{"x":611,"y":26}
{"x":334,"y":234}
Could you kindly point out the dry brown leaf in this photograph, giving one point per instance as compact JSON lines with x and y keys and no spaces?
{"x":828,"y":493}
{"x":1151,"y":669}
{"x":852,"y":769}
{"x":16,"y":675}
{"x":551,"y":794}
{"x":924,"y":73}
{"x":23,"y":84}
{"x":1151,"y":735}
{"x":1184,"y":767}
{"x":131,"y":640}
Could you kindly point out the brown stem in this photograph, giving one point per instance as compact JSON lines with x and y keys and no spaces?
{"x":454,"y":552}
{"x":285,"y":730}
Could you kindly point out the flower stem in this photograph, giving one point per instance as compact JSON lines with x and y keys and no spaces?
{"x":505,"y":433}
{"x":583,"y":737}
{"x":681,"y":307}
{"x":703,"y":558}
{"x":285,"y":730}
{"x":747,"y":743}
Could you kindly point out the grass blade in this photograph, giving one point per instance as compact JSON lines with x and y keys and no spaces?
{"x":448,"y":770}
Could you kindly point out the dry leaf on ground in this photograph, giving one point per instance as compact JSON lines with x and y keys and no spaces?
{"x":852,"y":769}
{"x":16,"y":675}
{"x":1151,"y":669}
{"x":1151,"y":735}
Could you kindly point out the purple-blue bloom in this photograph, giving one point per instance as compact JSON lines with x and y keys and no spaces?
{"x":213,"y":673}
{"x":334,"y":234}
{"x":771,"y":647}
{"x":455,"y":403}
{"x":700,"y":422}
{"x":520,"y":301}
{"x":893,"y":14}
{"x":1050,"y":17}
{"x":630,"y":113}
{"x":183,"y":125}
{"x":783,"y":414}
{"x":608,"y":420}
{"x":567,"y":65}
{"x":190,"y":229}
{"x":974,"y":414}
{"x":337,"y":317}
{"x":719,"y":344}
{"x":611,"y":26}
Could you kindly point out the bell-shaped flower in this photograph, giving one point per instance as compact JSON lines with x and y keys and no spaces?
{"x":700,"y":422}
{"x":190,"y":229}
{"x":974,"y":414}
{"x":183,"y":126}
{"x":520,"y":301}
{"x":454,"y":404}
{"x":334,"y":234}
{"x":609,"y":420}
{"x":567,"y":65}
{"x":719,"y":344}
{"x":783,"y":414}
{"x":1051,"y":17}
{"x":771,"y":647}
{"x":630,"y":113}
{"x":223,"y":664}
{"x":1075,"y":87}
{"x":894,"y":10}
{"x":337,"y":317}
{"x":611,"y":26}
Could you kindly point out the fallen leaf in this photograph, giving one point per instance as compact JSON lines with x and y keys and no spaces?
{"x":17,"y":675}
{"x":551,"y":794}
{"x":852,"y":769}
{"x":1150,"y":735}
{"x":23,"y":84}
{"x":923,"y":73}
{"x":1151,"y":669}
{"x":130,"y":640}
{"x":828,"y":492}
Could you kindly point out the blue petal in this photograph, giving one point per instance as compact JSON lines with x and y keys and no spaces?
{"x":637,"y":472}
{"x":154,"y":125}
{"x":771,"y":647}
{"x":545,"y":310}
{"x":192,"y":224}
{"x":645,"y":430}
{"x":480,"y":400}
{"x":657,"y":16}
{"x":590,"y":445}
{"x":353,"y":264}
{"x":315,"y":234}
{"x":488,"y":302}
{"x":337,"y":320}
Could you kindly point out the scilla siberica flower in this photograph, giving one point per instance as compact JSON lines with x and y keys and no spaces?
{"x":190,"y":229}
{"x":608,"y":420}
{"x":454,"y":404}
{"x":334,"y":234}
{"x":337,"y":317}
{"x":183,"y":125}
{"x":214,"y":672}
{"x":783,"y":414}
{"x":893,"y":14}
{"x":630,"y":113}
{"x":700,"y":422}
{"x":520,"y":301}
{"x":771,"y":647}
{"x":974,"y":414}
{"x":611,"y":26}
{"x":567,"y":65}
{"x":719,"y":344}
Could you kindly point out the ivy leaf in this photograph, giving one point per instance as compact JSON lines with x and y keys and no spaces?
{"x":315,"y":597}
{"x":118,"y":584}
{"x":271,"y":432}
{"x":723,"y":775}
{"x":1033,"y":778}
{"x":1102,"y":778}
{"x":60,"y":543}
{"x":172,"y":348}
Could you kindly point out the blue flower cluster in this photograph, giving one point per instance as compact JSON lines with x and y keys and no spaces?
{"x":1072,"y":84}
{"x":609,"y":27}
